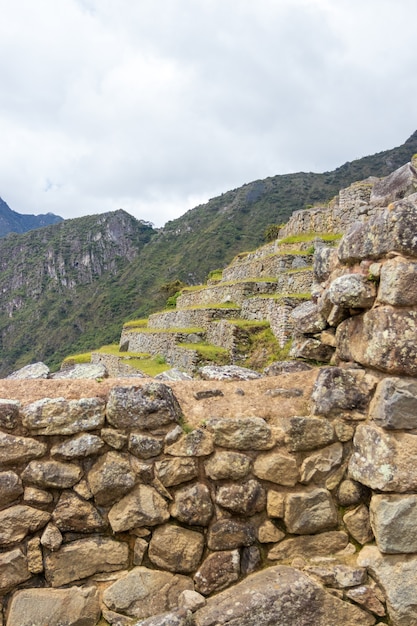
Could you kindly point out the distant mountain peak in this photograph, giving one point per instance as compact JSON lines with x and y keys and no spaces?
{"x":13,"y":222}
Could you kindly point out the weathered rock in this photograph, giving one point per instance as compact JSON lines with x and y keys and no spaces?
{"x":344,"y":432}
{"x":173,"y":435}
{"x":116,"y":619}
{"x":227,"y":372}
{"x":34,"y":555}
{"x":384,"y":460}
{"x":203,"y":394}
{"x":322,"y":263}
{"x":179,"y":617}
{"x":92,"y":371}
{"x":145,"y":592}
{"x":397,"y":575}
{"x":57,"y":416}
{"x":277,"y":467}
{"x":307,"y":433}
{"x":350,"y":492}
{"x":51,"y":537}
{"x":322,"y":544}
{"x":286,"y":367}
{"x":365,"y":596}
{"x":337,"y":390}
{"x":395,"y":186}
{"x":352,"y":291}
{"x":114,"y":438}
{"x":250,"y":560}
{"x":246,"y":433}
{"x":281,"y":596}
{"x":358,"y":524}
{"x":14,"y":450}
{"x":111,"y":477}
{"x":143,"y":506}
{"x":172,"y":375}
{"x":149,"y":407}
{"x":75,"y":514}
{"x":395,"y":404}
{"x":307,"y":318}
{"x":398,"y":283}
{"x":78,"y":606}
{"x":218,"y":571}
{"x":338,"y":576}
{"x":197,"y":443}
{"x":9,"y":414}
{"x":321,"y":462}
{"x":53,"y":474}
{"x":284,"y":393}
{"x":13,"y":570}
{"x":275,"y":503}
{"x":228,"y":534}
{"x":82,"y":488}
{"x":243,"y":499}
{"x":32,"y":371}
{"x":310,"y":512}
{"x":176,"y":471}
{"x":19,"y":520}
{"x":83,"y":558}
{"x":228,"y":465}
{"x":383,"y":338}
{"x":145,"y":446}
{"x":391,"y":230}
{"x":269,"y":533}
{"x":312,"y":349}
{"x":176,"y":549}
{"x":78,"y":448}
{"x":393,"y":520}
{"x":191,"y":600}
{"x":192,"y":505}
{"x":37,"y":497}
{"x":10,"y":487}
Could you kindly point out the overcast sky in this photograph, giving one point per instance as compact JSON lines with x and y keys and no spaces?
{"x":155,"y":106}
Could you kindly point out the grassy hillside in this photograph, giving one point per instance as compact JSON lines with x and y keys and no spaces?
{"x":59,"y":317}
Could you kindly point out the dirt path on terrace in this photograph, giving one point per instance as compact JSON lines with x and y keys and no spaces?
{"x":253,"y":402}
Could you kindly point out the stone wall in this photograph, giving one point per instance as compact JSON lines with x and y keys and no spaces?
{"x":276,"y":311}
{"x":91,"y":489}
{"x":224,"y":292}
{"x":265,"y":266}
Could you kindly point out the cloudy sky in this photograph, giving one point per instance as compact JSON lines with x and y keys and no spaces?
{"x":156,"y":106}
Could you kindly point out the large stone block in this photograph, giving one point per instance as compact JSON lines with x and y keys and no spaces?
{"x":228,"y":534}
{"x":280,"y":596}
{"x":395,"y":404}
{"x":323,"y":544}
{"x":15,"y":450}
{"x":277,"y":467}
{"x":111,"y":477}
{"x":228,"y":465}
{"x":246,"y":433}
{"x":310,"y":512}
{"x":218,"y":571}
{"x":10,"y":487}
{"x":17,"y":521}
{"x":394,"y":522}
{"x":57,"y":416}
{"x":383,"y":338}
{"x":391,"y":230}
{"x":398,"y":283}
{"x":83,"y":558}
{"x":242,"y":499}
{"x":75,"y":514}
{"x":52,"y":474}
{"x":13,"y":570}
{"x":307,"y":433}
{"x":176,"y":549}
{"x":397,"y":575}
{"x":143,"y":506}
{"x":352,"y":291}
{"x":383,"y":460}
{"x":148,"y":407}
{"x":192,"y":505}
{"x":145,"y":592}
{"x":337,"y":390}
{"x":78,"y":606}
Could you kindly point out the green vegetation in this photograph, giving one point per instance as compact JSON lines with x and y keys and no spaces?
{"x":136,"y":323}
{"x":305,"y":237}
{"x":215,"y":274}
{"x":208,"y":352}
{"x":272,"y":231}
{"x":171,"y":330}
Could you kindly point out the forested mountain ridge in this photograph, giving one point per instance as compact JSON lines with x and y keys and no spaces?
{"x":69,"y":287}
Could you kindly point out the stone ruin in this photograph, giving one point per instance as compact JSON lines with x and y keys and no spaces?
{"x":111,"y":510}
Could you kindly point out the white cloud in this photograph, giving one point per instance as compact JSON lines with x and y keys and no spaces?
{"x":155,"y":106}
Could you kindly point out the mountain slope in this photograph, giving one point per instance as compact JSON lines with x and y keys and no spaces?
{"x":67,"y":288}
{"x":13,"y":222}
